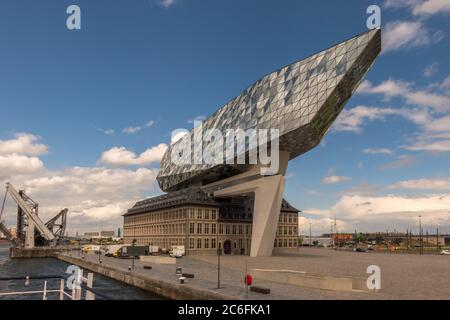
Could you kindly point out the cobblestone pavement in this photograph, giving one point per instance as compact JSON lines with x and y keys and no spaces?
{"x":402,"y":276}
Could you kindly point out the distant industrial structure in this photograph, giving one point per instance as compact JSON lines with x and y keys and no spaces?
{"x":99,"y":234}
{"x":31,"y":231}
{"x":407,"y":239}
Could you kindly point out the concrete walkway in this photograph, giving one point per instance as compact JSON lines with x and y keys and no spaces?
{"x":403,"y":276}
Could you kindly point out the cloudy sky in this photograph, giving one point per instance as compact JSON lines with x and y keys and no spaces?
{"x":86,"y":115}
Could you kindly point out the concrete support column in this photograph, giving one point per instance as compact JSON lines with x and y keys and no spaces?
{"x":268,"y":193}
{"x":29,"y":237}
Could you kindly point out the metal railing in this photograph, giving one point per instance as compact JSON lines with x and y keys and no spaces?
{"x":74,"y":294}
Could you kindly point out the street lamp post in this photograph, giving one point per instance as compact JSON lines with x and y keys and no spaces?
{"x":100,"y":251}
{"x":219,"y":253}
{"x":420,"y":234}
{"x":310,"y":236}
{"x":134,"y":253}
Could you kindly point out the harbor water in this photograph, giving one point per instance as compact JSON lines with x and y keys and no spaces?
{"x":42,"y":267}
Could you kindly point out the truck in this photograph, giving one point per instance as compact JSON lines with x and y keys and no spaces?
{"x":153,"y":249}
{"x":90,"y":248}
{"x":132,"y":251}
{"x":112,"y":250}
{"x":177,"y":251}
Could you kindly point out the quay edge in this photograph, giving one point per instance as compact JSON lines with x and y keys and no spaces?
{"x":156,"y":286}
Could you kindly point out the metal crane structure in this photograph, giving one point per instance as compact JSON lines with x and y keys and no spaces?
{"x":31,"y":230}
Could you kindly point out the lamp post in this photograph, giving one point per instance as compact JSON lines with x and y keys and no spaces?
{"x":310,"y":236}
{"x":420,"y":234}
{"x":133,"y":253}
{"x":219,"y":253}
{"x":100,"y":250}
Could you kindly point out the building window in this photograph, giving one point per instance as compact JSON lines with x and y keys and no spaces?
{"x":206,"y":230}
{"x":199,"y":228}
{"x":240,"y":229}
{"x":191,"y":228}
{"x":213,"y":228}
{"x":206,"y":214}
{"x":191,"y":243}
{"x":199,"y":243}
{"x":220,"y":228}
{"x":213,"y":215}
{"x":213,"y":243}
{"x":206,"y":243}
{"x":227,"y":229}
{"x":234,"y":229}
{"x":199,"y":213}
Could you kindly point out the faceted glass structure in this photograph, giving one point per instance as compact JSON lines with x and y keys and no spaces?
{"x":301,"y":100}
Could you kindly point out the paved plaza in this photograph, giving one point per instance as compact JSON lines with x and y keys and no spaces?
{"x":403,"y":276}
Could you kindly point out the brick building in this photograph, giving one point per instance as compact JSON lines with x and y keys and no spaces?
{"x":192,"y":218}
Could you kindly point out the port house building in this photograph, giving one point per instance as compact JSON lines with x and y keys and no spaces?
{"x":203,"y":224}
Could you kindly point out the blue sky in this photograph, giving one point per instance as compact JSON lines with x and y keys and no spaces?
{"x":79,"y":108}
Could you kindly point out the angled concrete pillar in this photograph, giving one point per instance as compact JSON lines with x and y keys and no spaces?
{"x":268,"y":193}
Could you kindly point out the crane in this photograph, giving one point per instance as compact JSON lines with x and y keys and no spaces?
{"x":28,"y":221}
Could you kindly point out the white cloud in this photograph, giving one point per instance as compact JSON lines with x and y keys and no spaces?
{"x":120,"y":156}
{"x":199,"y":118}
{"x":394,"y":88}
{"x":166,"y":3}
{"x":333,"y":179}
{"x":320,"y":225}
{"x":435,"y":131}
{"x":378,"y":151}
{"x":132,"y":130}
{"x":108,"y":132}
{"x":91,"y":194}
{"x":430,"y":70}
{"x":317,"y":212}
{"x":177,"y":135}
{"x":136,"y":129}
{"x":395,"y":4}
{"x":423,"y":184}
{"x":420,"y":7}
{"x":391,"y":210}
{"x":436,"y":146}
{"x":23,"y":143}
{"x":353,"y":120}
{"x":402,"y":161}
{"x":446,"y":83}
{"x":431,"y":7}
{"x":408,"y":34}
{"x":15,"y":164}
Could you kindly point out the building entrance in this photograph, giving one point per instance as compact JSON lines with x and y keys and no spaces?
{"x":227,"y":247}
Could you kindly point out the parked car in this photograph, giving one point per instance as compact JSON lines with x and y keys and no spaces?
{"x":445,"y":253}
